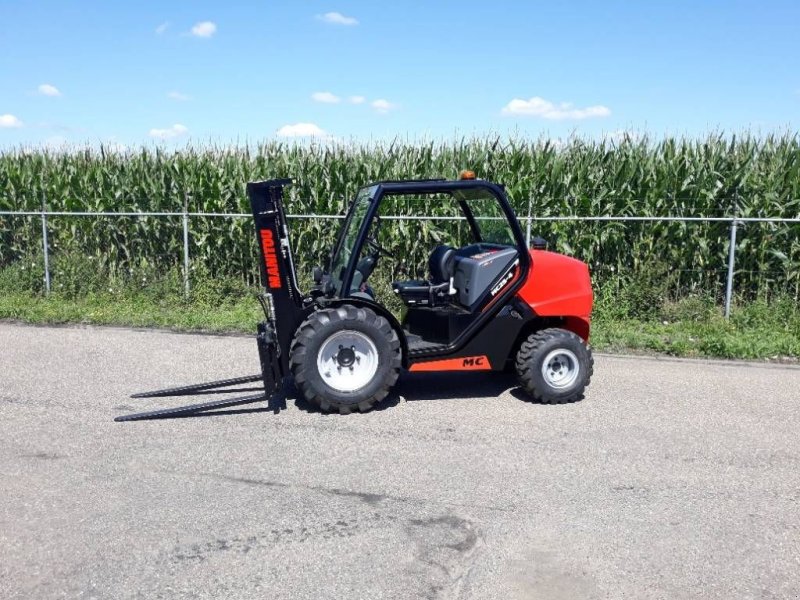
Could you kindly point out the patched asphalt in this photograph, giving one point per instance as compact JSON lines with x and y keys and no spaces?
{"x":671,"y":479}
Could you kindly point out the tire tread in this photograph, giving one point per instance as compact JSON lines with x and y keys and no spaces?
{"x":526,"y":371}
{"x":300,"y":360}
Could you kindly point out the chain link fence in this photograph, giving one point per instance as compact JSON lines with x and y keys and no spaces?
{"x":183,"y":245}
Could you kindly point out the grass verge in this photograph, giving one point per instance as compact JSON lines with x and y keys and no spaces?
{"x":717,"y":339}
{"x":689,"y":328}
{"x":100,"y":309}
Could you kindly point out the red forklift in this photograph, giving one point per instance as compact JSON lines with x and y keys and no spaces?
{"x":488,"y":303}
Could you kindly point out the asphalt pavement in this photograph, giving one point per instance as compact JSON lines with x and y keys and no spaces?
{"x":671,"y":479}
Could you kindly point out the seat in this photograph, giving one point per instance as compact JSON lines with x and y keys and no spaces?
{"x":438,"y":288}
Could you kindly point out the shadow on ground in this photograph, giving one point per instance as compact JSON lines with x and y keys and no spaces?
{"x":453,"y":385}
{"x":410,"y":387}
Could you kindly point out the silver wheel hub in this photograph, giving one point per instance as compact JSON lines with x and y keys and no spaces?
{"x":347,"y":360}
{"x":560,"y":368}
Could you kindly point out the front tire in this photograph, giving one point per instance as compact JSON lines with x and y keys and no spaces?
{"x":554,"y":366}
{"x":345,"y":358}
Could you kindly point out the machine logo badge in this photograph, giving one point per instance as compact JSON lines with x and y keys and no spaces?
{"x":502,"y":283}
{"x":270,"y":259}
{"x":474,"y":361}
{"x":464,"y":363}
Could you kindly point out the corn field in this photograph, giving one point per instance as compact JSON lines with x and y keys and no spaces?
{"x":719,"y":176}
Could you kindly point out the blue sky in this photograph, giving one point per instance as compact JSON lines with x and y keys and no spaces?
{"x":170,"y":72}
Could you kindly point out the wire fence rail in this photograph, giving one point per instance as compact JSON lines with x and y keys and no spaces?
{"x":186,"y":216}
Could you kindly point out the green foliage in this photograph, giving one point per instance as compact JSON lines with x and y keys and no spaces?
{"x":73,"y":274}
{"x":25,"y":274}
{"x":132,"y":309}
{"x":635,"y":295}
{"x":780,"y":314}
{"x":713,"y":338}
{"x":221,"y":290}
{"x":692,"y":309}
{"x":716,"y":176}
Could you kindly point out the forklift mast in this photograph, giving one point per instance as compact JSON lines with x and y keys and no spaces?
{"x":278,"y":275}
{"x":281,"y":299}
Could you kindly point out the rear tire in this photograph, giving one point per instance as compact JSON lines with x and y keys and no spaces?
{"x":554,"y":366}
{"x":345,"y":358}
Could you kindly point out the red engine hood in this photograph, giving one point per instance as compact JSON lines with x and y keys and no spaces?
{"x":559,"y":286}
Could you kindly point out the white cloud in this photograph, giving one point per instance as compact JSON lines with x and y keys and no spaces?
{"x":48,"y":90}
{"x":301,"y":130}
{"x":162,"y":28}
{"x":382,"y":106}
{"x":169,"y":133}
{"x":178,"y":96}
{"x":330,"y":98}
{"x":336,"y":18}
{"x":204,"y":29}
{"x":9,"y":122}
{"x":539,"y":107}
{"x":325,"y":98}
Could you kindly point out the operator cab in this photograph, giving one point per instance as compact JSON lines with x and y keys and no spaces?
{"x":469,"y":251}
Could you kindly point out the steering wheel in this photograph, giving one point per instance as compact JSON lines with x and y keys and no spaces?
{"x":377,"y":249}
{"x":400,"y":268}
{"x":368,"y":263}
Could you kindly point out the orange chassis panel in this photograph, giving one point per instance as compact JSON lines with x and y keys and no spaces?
{"x":464,"y":363}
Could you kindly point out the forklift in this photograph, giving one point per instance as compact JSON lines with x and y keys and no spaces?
{"x":488,"y":303}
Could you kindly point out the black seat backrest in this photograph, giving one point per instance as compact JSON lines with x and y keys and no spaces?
{"x":441,"y":263}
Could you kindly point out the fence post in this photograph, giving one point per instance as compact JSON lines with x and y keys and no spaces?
{"x":45,"y":249}
{"x":186,"y":244}
{"x":731,"y":262}
{"x":528,"y":232}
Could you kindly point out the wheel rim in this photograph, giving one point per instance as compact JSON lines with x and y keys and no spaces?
{"x":347,"y":360}
{"x":560,"y":368}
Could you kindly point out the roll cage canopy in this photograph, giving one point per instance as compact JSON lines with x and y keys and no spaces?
{"x":377,"y":191}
